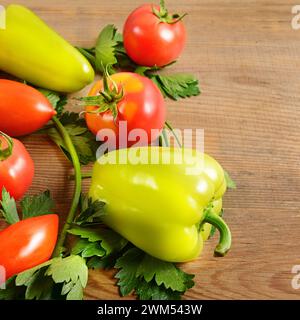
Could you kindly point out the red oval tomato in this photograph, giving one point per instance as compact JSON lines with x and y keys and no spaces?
{"x":16,"y":169}
{"x":142,"y":107}
{"x":149,"y":41}
{"x":28,"y":243}
{"x":23,"y":109}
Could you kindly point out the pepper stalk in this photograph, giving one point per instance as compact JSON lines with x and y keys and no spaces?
{"x":225,"y":235}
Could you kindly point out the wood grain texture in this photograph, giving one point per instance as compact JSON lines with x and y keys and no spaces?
{"x":246,"y":56}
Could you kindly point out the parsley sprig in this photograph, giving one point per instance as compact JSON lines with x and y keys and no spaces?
{"x":173,"y":86}
{"x":109,"y":51}
{"x":150,"y":278}
{"x":176,"y":86}
{"x":59,"y":278}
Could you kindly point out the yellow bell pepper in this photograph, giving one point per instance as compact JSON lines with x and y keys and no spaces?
{"x":162,"y":208}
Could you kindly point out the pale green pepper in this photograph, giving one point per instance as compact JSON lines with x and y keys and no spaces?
{"x":32,"y":51}
{"x":162,"y":208}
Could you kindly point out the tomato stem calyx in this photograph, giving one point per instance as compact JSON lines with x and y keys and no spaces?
{"x":6,"y":152}
{"x":108,"y":98}
{"x":163,"y":15}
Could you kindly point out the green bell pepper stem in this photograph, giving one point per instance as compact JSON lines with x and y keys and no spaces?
{"x":6,"y":153}
{"x":225,"y":235}
{"x":77,"y":191}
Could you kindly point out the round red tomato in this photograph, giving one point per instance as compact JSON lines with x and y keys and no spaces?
{"x":141,"y":107}
{"x":16,"y":167}
{"x":23,"y":109}
{"x":150,"y":40}
{"x":28,"y":243}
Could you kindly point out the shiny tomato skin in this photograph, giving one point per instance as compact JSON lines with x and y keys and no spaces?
{"x":150,"y":42}
{"x":142,"y":106}
{"x":17,"y":171}
{"x":28,"y":243}
{"x":23,"y":109}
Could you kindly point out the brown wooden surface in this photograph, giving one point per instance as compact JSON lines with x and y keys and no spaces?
{"x":246,"y":56}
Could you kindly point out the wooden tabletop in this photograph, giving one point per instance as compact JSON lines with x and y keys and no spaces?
{"x":247,"y":58}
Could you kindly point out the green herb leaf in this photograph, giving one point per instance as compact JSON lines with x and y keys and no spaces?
{"x":148,"y":71}
{"x":60,"y":106}
{"x":163,"y":272}
{"x":57,"y":100}
{"x":11,"y":291}
{"x":73,"y":290}
{"x":109,"y":51}
{"x":83,"y":140}
{"x":109,"y":240}
{"x":230,"y":183}
{"x":91,"y":211}
{"x":106,"y":262}
{"x":72,"y":272}
{"x":38,"y":286}
{"x":142,"y":70}
{"x":124,"y":62}
{"x":71,"y":268}
{"x":57,"y":278}
{"x":105,"y":49}
{"x":33,"y":206}
{"x":128,"y":264}
{"x":151,"y":291}
{"x":88,"y":249}
{"x":34,"y":283}
{"x":8,"y":208}
{"x":52,"y":96}
{"x":177,"y":86}
{"x":173,"y":86}
{"x":80,"y":245}
{"x":24,"y":278}
{"x":150,"y":277}
{"x":93,"y":249}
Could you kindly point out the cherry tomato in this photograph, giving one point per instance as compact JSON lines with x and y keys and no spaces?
{"x":141,"y":107}
{"x":23,"y":109}
{"x":16,"y":167}
{"x":28,"y":243}
{"x":150,"y":40}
